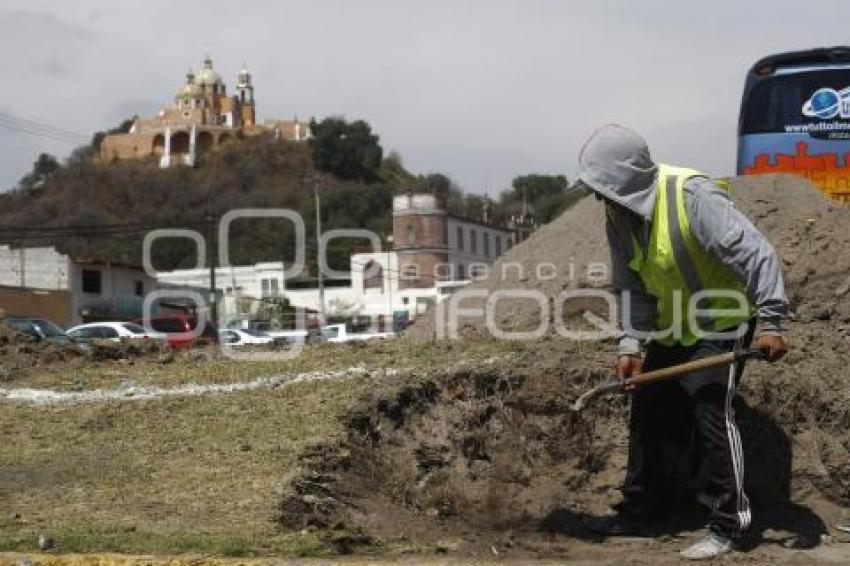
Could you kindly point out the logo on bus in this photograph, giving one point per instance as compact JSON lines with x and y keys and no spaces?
{"x":828,"y":103}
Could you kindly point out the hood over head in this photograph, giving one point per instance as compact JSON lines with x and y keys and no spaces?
{"x":615,"y":163}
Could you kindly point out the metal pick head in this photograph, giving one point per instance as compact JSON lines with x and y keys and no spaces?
{"x":604,"y":387}
{"x":582,"y":401}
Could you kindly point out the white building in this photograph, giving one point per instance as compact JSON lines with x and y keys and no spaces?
{"x":42,"y":282}
{"x":372,"y":288}
{"x":259,"y":280}
{"x":434,"y":254}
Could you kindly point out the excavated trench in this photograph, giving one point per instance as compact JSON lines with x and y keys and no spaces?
{"x":499,"y":450}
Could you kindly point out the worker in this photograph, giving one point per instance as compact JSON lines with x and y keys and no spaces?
{"x":673,"y":233}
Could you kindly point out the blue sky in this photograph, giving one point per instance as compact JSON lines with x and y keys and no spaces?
{"x":480,"y":90}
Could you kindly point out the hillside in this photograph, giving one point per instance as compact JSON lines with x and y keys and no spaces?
{"x":258,"y":172}
{"x":99,"y":210}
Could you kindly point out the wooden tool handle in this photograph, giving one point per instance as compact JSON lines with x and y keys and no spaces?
{"x":672,"y":372}
{"x":613,"y":384}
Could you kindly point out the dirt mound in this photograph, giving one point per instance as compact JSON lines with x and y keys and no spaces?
{"x":810,"y":233}
{"x":465,"y":447}
{"x":128,"y":348}
{"x":494,"y":449}
{"x":20,"y":351}
{"x":11,"y":337}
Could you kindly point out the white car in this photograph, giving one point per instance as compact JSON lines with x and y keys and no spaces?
{"x":113,"y":331}
{"x":288,"y":337}
{"x":339,"y":333}
{"x":239,"y":337}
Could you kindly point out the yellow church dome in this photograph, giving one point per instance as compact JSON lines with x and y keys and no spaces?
{"x":207,"y":75}
{"x":190,"y":90}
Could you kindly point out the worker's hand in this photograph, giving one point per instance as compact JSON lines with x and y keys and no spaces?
{"x":772,"y":346}
{"x":628,"y":365}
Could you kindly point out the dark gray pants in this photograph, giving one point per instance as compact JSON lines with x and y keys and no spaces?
{"x":689,"y":420}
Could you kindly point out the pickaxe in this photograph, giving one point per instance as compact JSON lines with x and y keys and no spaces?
{"x":664,"y":374}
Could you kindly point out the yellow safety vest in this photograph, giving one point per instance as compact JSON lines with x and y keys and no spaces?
{"x":674,"y":266}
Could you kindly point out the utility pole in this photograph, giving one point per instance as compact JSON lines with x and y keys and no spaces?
{"x":211,"y":254}
{"x":389,"y":272}
{"x":23,"y":262}
{"x":319,"y":252}
{"x":320,"y":256}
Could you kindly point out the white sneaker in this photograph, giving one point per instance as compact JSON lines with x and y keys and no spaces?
{"x":711,"y":546}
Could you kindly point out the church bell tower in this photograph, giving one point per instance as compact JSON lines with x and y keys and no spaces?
{"x":245,"y":91}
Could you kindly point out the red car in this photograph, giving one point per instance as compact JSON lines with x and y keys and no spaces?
{"x":179,"y":329}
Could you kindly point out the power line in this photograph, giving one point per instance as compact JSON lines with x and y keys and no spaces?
{"x":46,"y":233}
{"x":43,"y":135}
{"x":41,"y":130}
{"x":118,"y":225}
{"x":41,"y":125}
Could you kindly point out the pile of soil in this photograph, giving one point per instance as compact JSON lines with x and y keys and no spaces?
{"x":10,"y":336}
{"x":126,"y":349}
{"x":484,"y":451}
{"x":810,"y":233}
{"x":20,"y":351}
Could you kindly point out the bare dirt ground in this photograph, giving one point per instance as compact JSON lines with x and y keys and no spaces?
{"x":491,"y":460}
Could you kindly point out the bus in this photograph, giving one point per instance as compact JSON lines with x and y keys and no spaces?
{"x":795,"y":118}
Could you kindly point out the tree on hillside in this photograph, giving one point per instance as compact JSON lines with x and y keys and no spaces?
{"x":392,"y":172}
{"x":438,"y":184}
{"x":394,"y":160}
{"x":536,"y":186}
{"x":474,"y":206}
{"x":43,"y":168}
{"x":122,"y":128}
{"x":544,"y":195}
{"x":450,"y":195}
{"x":348,"y":150}
{"x":350,"y":206}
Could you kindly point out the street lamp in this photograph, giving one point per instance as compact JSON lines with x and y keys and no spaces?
{"x":319,"y":252}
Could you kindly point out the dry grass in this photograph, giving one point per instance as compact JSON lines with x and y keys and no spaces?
{"x":205,"y":366}
{"x":178,"y":469}
{"x":179,"y":474}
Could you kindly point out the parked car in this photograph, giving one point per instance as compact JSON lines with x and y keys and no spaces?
{"x":179,"y":329}
{"x":40,"y":328}
{"x":240,"y":337}
{"x":289,"y":337}
{"x":340,"y":333}
{"x":284,"y":338}
{"x":114,"y":331}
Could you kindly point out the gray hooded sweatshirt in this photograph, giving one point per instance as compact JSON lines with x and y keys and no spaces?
{"x":615,"y":163}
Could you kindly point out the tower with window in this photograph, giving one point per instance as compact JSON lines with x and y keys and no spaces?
{"x":245,"y":93}
{"x":419,"y":238}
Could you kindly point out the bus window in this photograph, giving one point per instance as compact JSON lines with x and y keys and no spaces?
{"x":776,"y":104}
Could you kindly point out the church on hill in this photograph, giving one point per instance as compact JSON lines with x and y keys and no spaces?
{"x":202,"y":118}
